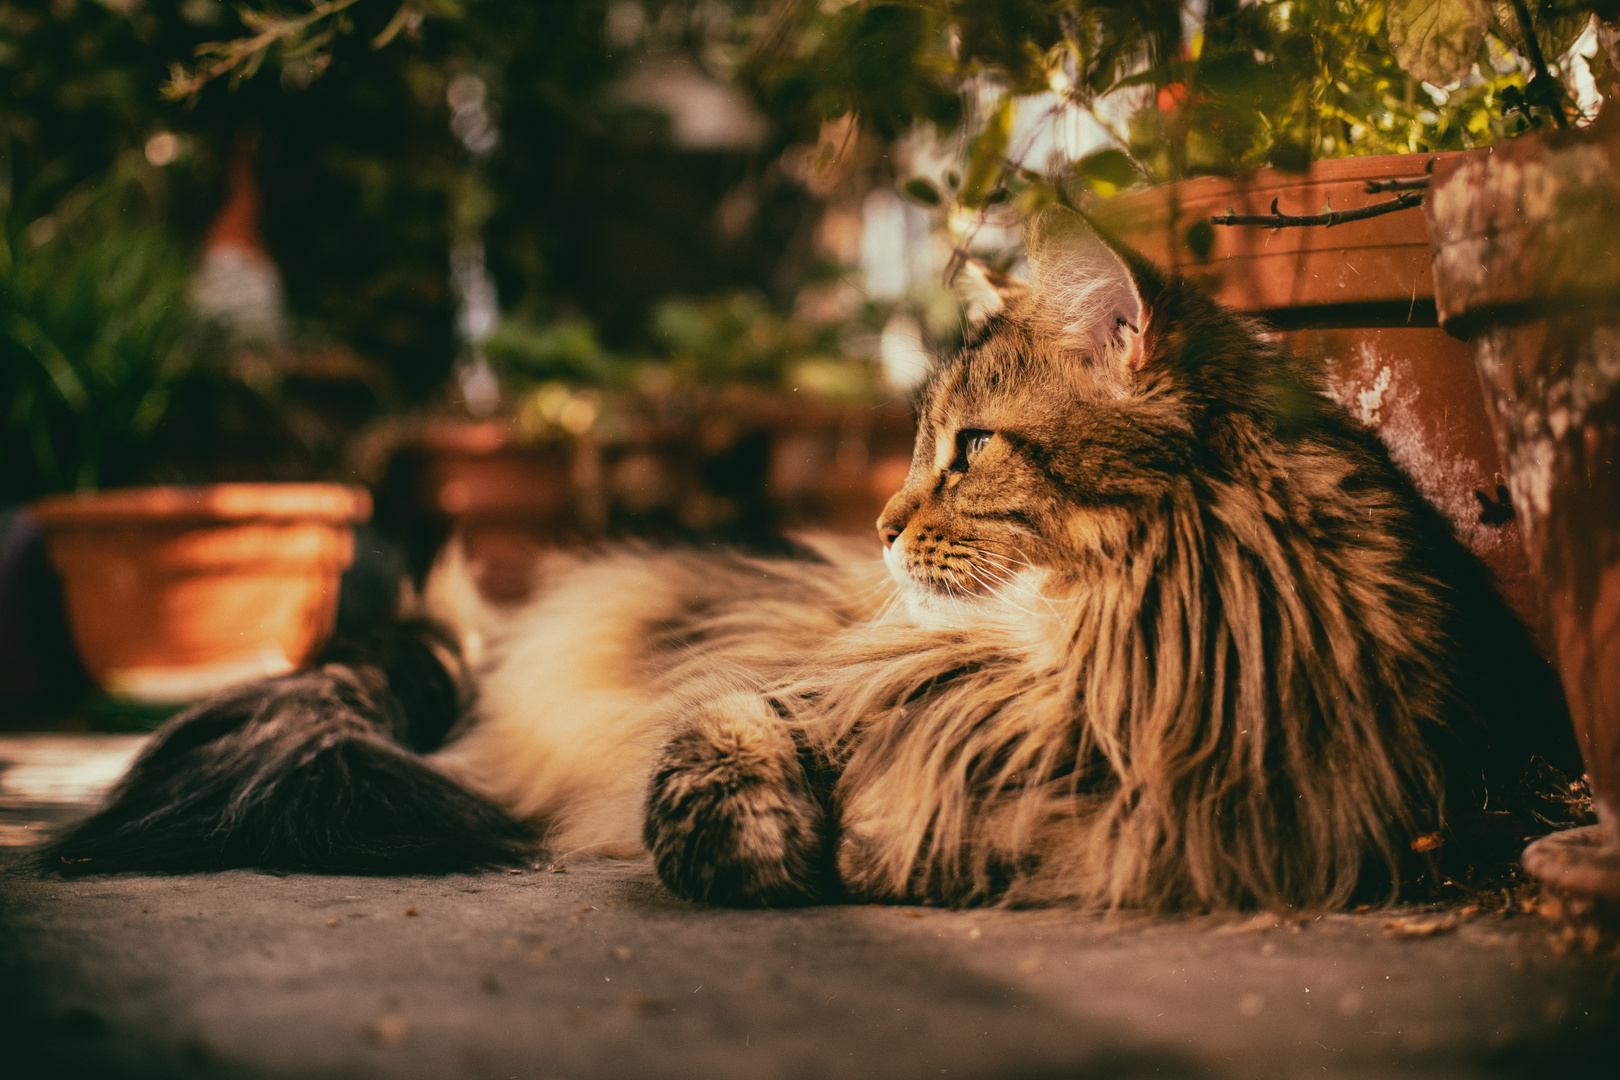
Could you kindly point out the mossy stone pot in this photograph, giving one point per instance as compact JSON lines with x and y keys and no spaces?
{"x":174,"y":593}
{"x":1526,"y":250}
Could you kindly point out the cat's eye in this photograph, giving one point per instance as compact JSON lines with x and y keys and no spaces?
{"x":969,"y":442}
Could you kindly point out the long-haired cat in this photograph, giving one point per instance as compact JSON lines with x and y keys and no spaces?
{"x":1157,"y":624}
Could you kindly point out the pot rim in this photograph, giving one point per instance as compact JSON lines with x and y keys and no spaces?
{"x":174,"y":504}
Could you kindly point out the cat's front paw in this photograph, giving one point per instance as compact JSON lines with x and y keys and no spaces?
{"x":731,"y":818}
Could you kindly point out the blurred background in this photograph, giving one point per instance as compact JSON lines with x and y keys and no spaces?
{"x":551,"y":272}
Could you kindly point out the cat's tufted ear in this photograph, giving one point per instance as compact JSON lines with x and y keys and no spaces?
{"x":1085,"y":287}
{"x":983,"y":292}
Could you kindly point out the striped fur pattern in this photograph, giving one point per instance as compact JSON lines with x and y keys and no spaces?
{"x":1178,"y":634}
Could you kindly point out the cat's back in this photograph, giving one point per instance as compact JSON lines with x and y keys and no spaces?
{"x":575,"y":686}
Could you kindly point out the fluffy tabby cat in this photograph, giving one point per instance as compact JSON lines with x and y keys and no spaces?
{"x":1160,"y":626}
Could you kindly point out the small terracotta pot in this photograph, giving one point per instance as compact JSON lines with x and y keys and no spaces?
{"x":1527,"y":265}
{"x":505,"y":498}
{"x":177,"y":592}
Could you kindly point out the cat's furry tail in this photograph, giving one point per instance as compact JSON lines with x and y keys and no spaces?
{"x":319,"y":771}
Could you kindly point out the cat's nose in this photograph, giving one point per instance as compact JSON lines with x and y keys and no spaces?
{"x":896,"y":513}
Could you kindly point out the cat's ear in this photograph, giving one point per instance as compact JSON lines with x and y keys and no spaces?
{"x":982,"y":291}
{"x":1084,"y":287}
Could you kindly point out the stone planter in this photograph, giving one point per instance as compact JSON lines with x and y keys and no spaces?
{"x":174,"y":593}
{"x":1358,"y":297}
{"x":1526,"y":243}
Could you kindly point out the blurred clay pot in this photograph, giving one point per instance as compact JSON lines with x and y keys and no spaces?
{"x":177,"y":592}
{"x":507,"y":499}
{"x":1526,"y":243}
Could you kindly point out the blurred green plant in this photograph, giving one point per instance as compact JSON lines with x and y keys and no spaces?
{"x":585,"y":206}
{"x":705,"y":342}
{"x":729,"y":338}
{"x":1184,"y":89}
{"x":524,"y":352}
{"x":94,"y":338}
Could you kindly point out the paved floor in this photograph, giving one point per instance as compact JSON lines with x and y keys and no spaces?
{"x":597,"y":972}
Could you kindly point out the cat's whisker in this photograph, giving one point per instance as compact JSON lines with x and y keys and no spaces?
{"x":1000,"y":588}
{"x":884,"y":587}
{"x":1011,"y":559}
{"x":1010,"y":580}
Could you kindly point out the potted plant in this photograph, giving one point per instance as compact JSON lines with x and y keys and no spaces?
{"x":176,"y":592}
{"x":739,"y":422}
{"x":172,"y":592}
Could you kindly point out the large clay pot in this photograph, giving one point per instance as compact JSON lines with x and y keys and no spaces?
{"x":177,"y":592}
{"x":1359,"y":298}
{"x":1527,"y":264}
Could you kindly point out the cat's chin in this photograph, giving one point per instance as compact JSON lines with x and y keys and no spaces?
{"x":935,"y":611}
{"x":932,"y":608}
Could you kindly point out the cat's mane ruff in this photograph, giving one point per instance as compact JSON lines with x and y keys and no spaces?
{"x":1171,"y":737}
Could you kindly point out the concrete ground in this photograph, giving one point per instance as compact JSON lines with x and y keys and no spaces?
{"x":597,"y":972}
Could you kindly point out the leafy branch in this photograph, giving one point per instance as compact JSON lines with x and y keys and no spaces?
{"x":241,"y":57}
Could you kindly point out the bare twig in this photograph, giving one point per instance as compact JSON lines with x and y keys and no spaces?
{"x":1279,"y":220}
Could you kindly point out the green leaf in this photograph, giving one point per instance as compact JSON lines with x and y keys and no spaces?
{"x":984,"y":163}
{"x":27,"y":333}
{"x":1436,"y":41}
{"x":1110,"y":166}
{"x":922,"y":191}
{"x":1556,"y":31}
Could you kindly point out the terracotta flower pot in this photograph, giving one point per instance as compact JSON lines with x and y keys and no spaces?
{"x":176,"y":592}
{"x":506,"y":498}
{"x":1527,"y":264}
{"x":1358,"y":297}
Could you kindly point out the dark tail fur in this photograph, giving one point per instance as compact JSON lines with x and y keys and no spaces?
{"x":315,"y":771}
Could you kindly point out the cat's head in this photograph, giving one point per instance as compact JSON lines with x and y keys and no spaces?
{"x":1081,"y":402}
